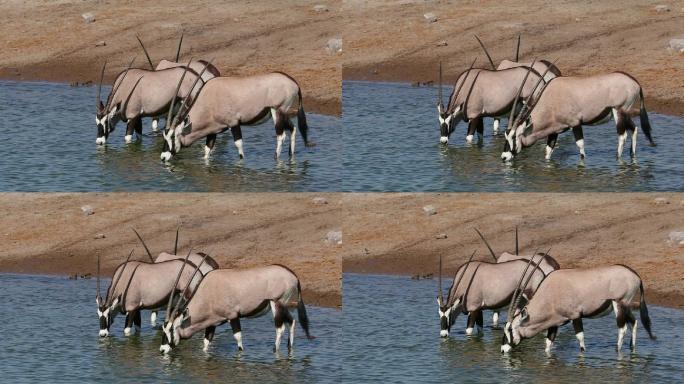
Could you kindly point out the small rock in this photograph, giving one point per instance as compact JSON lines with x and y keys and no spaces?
{"x":676,"y":238}
{"x":430,"y":17}
{"x":87,"y":210}
{"x":442,"y":43}
{"x":320,"y":8}
{"x":334,"y":46}
{"x":334,"y":237}
{"x":441,"y":236}
{"x":89,"y":17}
{"x":319,"y":200}
{"x":677,"y":45}
{"x":100,"y":236}
{"x":661,"y":201}
{"x":430,"y":210}
{"x":662,"y":8}
{"x":101,"y":44}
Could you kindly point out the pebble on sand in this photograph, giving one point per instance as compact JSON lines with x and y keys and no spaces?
{"x":430,"y":210}
{"x":334,"y":46}
{"x":442,"y":43}
{"x":101,"y":44}
{"x":430,"y":17}
{"x":676,"y":238}
{"x":319,"y":200}
{"x":661,"y":201}
{"x":100,"y":236}
{"x":320,"y":8}
{"x":662,"y":8}
{"x":87,"y":210}
{"x":441,"y":236}
{"x":334,"y":237}
{"x":677,"y":45}
{"x":89,"y":17}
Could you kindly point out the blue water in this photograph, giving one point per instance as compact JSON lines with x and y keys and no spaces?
{"x":391,"y":332}
{"x":391,"y":141}
{"x":47,"y":141}
{"x":50,"y":329}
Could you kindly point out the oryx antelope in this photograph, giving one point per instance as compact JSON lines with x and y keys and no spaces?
{"x":571,"y":102}
{"x":206,"y":262}
{"x":137,"y":285}
{"x":569,"y":295}
{"x":480,"y":93}
{"x":229,"y":295}
{"x":196,"y":65}
{"x":149,"y":94}
{"x":541,"y":66}
{"x":231,"y":102}
{"x":480,"y":286}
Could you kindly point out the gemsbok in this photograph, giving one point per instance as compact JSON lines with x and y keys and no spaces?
{"x":570,"y":295}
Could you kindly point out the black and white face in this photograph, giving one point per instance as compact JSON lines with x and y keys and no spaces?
{"x":170,"y":336}
{"x":105,"y":124}
{"x":512,"y":335}
{"x":445,"y":124}
{"x":447,"y":317}
{"x":172,"y":144}
{"x":513,"y":143}
{"x":106,"y":315}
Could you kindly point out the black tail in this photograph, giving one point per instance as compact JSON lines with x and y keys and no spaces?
{"x":643,"y":117}
{"x":301,"y":313}
{"x":301,"y":121}
{"x":643,"y":313}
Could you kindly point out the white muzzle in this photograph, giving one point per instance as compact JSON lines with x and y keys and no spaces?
{"x":506,"y":348}
{"x":507,"y":156}
{"x":104,"y":333}
{"x":444,"y":139}
{"x":166,"y":156}
{"x":100,"y":140}
{"x":443,"y":333}
{"x":165,"y":348}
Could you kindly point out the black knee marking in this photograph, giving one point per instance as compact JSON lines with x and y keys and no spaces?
{"x":130,"y":127}
{"x":471,"y":319}
{"x":279,"y":316}
{"x":479,"y":319}
{"x":129,"y":320}
{"x":211,"y":140}
{"x":209,"y":332}
{"x":472,"y":126}
{"x":237,"y":133}
{"x":551,"y":333}
{"x":281,"y":123}
{"x":578,"y":326}
{"x":138,"y":125}
{"x":137,"y":319}
{"x":621,"y":317}
{"x":551,"y":140}
{"x":235,"y":326}
{"x":621,"y":123}
{"x":578,"y":133}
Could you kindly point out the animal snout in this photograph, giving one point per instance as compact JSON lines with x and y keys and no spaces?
{"x":166,"y":156}
{"x":507,"y":156}
{"x":104,"y":333}
{"x":443,"y":333}
{"x":100,"y":140}
{"x":444,"y":139}
{"x":506,"y":348}
{"x":165,"y":348}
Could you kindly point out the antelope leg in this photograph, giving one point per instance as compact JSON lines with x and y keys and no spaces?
{"x":237,"y":138}
{"x":550,"y":337}
{"x":237,"y":332}
{"x":208,"y":336}
{"x":209,"y":146}
{"x":579,"y":333}
{"x":579,"y":140}
{"x":550,"y":144}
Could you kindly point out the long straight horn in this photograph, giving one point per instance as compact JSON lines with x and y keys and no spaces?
{"x":173,"y":288}
{"x":464,"y":270}
{"x":527,"y":280}
{"x":517,"y":251}
{"x":517,"y":50}
{"x":179,"y":46}
{"x":99,"y":102}
{"x":113,"y":287}
{"x":441,"y":298}
{"x":175,"y":245}
{"x":144,"y":245}
{"x":128,"y":98}
{"x":458,"y":90}
{"x":187,"y":97}
{"x":185,"y":289}
{"x":517,"y":287}
{"x":145,"y":50}
{"x":441,"y":101}
{"x":486,"y":243}
{"x":517,"y":96}
{"x":541,"y":78}
{"x":99,"y":297}
{"x":173,"y":99}
{"x":486,"y":53}
{"x":116,"y":86}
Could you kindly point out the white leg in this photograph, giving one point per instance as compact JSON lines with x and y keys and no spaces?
{"x":495,"y":127}
{"x":279,"y":335}
{"x":206,"y":345}
{"x":621,"y":336}
{"x":549,"y":343}
{"x":238,"y":145}
{"x":207,"y":152}
{"x":634,"y":141}
{"x":128,"y":138}
{"x":548,"y":150}
{"x":580,"y":146}
{"x":155,"y":125}
{"x":469,"y":139}
{"x":292,"y":140}
{"x":580,"y":338}
{"x":238,"y":339}
{"x":279,"y":145}
{"x":469,"y":331}
{"x":153,"y":319}
{"x":495,"y":319}
{"x":621,"y":144}
{"x":291,"y":335}
{"x":634,"y":335}
{"x":127,"y":331}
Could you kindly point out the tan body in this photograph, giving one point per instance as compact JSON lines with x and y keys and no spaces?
{"x":546,"y":263}
{"x":195,"y":258}
{"x":539,"y":66}
{"x":196,"y":65}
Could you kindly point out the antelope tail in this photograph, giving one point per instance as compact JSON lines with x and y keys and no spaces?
{"x":643,"y":313}
{"x":643,"y":117}
{"x":301,"y":312}
{"x":301,"y":121}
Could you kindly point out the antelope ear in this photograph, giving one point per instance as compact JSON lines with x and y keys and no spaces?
{"x":439,"y":302}
{"x":523,"y":314}
{"x":98,"y":301}
{"x":440,"y":109}
{"x":186,"y":126}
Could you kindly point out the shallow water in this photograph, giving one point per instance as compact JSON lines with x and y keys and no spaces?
{"x":49,"y":334}
{"x":47,"y":140}
{"x":391,"y":334}
{"x":391,"y":138}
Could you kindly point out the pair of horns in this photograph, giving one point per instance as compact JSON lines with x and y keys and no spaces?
{"x":458,"y":89}
{"x":170,"y":117}
{"x":491,"y":62}
{"x":149,"y":254}
{"x":148,"y":55}
{"x":517,"y":294}
{"x":100,"y":106}
{"x":458,"y":281}
{"x":491,"y":251}
{"x":513,"y":122}
{"x":116,"y":281}
{"x":169,"y":313}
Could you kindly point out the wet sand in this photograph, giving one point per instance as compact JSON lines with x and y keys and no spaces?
{"x":50,"y":41}
{"x":390,"y":233}
{"x":392,"y":41}
{"x":50,"y":234}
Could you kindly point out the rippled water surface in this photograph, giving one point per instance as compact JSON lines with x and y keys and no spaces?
{"x":49,"y":334}
{"x":391,"y":334}
{"x":47,"y":139}
{"x":391,"y":138}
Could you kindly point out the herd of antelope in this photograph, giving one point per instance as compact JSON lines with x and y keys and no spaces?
{"x":540,"y":298}
{"x":199,"y":295}
{"x":208,"y":104}
{"x":551,"y":104}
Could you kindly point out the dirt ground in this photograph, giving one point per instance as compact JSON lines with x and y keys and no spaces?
{"x":50,"y":234}
{"x":392,"y":41}
{"x":50,"y":40}
{"x":390,"y":233}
